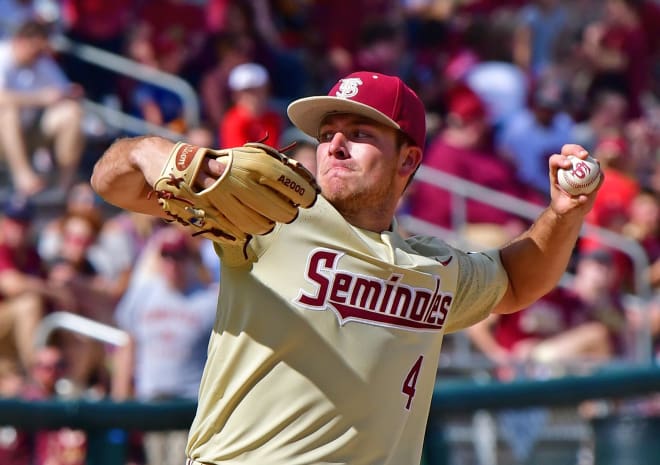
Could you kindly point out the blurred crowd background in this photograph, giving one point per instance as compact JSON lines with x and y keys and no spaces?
{"x":505,"y":83}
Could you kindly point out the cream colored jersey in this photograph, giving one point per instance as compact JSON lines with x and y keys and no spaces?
{"x":326,"y":345}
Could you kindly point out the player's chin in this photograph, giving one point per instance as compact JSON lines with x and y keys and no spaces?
{"x":336,"y":191}
{"x":334,"y":182}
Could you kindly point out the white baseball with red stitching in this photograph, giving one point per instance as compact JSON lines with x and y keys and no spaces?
{"x":582,"y":178}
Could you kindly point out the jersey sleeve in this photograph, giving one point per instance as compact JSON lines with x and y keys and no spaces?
{"x":482,"y":282}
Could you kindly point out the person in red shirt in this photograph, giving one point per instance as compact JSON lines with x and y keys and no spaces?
{"x":611,"y":209}
{"x":620,"y":187}
{"x":464,"y":149}
{"x":250,"y":118}
{"x":580,"y":323}
{"x":59,"y":446}
{"x":643,"y":226}
{"x":21,"y":283}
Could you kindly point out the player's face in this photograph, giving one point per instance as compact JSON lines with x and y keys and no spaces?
{"x":359,"y":164}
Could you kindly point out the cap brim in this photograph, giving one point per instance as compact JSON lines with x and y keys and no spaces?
{"x":307,"y":113}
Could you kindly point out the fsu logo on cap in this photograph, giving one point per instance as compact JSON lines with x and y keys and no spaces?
{"x":348,"y":87}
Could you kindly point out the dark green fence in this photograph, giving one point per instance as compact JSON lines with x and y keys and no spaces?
{"x":625,"y":440}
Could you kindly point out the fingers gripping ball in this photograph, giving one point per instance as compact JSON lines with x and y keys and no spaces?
{"x":258,"y":188}
{"x":582,"y":178}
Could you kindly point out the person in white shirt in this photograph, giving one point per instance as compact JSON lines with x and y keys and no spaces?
{"x":39,"y":108}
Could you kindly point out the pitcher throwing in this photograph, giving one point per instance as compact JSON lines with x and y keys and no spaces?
{"x":329,"y":323}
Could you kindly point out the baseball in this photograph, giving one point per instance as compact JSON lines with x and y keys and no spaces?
{"x":582,"y":178}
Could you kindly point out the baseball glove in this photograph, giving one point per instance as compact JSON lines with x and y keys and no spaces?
{"x":258,"y":188}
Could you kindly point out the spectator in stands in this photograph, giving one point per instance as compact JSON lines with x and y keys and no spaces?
{"x":44,"y":373}
{"x":617,"y":49}
{"x":643,"y":141}
{"x":72,"y":268}
{"x":502,"y":86}
{"x":540,"y":26}
{"x":495,"y":77}
{"x":80,"y":199}
{"x":229,"y":51}
{"x":381,"y":48}
{"x":169,"y":315}
{"x":122,"y":239}
{"x":38,"y":105}
{"x":95,"y":298}
{"x":11,"y":379}
{"x":464,"y":149}
{"x":25,"y":293}
{"x":340,"y":33}
{"x":608,"y":114}
{"x":251,"y":117}
{"x":175,"y":24}
{"x":611,"y":209}
{"x":288,"y":71}
{"x":621,"y":186}
{"x":61,"y":446}
{"x":100,"y":24}
{"x":15,"y":13}
{"x":643,"y":226}
{"x":581,"y":323}
{"x":644,"y":318}
{"x":532,"y":134}
{"x":152,"y":102}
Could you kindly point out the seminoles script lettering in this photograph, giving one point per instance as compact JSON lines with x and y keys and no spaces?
{"x":372,"y":300}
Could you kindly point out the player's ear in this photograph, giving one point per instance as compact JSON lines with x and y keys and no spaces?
{"x":411,"y":157}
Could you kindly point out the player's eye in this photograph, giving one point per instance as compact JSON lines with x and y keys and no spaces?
{"x":355,"y":133}
{"x":360,"y":133}
{"x":326,"y":136}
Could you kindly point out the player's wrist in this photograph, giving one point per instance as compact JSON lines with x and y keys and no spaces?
{"x":149,"y":155}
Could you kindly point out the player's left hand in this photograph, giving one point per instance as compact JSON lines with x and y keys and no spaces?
{"x":560,"y":202}
{"x":232,"y":194}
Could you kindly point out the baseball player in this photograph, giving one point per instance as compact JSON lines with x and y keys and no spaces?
{"x":329,"y":323}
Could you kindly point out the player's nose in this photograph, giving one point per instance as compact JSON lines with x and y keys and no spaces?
{"x":338,"y":146}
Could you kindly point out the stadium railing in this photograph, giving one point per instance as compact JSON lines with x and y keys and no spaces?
{"x":119,"y":64}
{"x":108,"y":422}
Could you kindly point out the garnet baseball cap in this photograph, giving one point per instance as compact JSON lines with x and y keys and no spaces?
{"x":465,"y":104}
{"x":382,"y":98}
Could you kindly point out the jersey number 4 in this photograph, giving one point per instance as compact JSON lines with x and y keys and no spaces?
{"x":410,"y":382}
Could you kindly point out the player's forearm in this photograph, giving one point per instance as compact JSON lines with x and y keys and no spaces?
{"x":536,"y":260}
{"x":125,"y":173}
